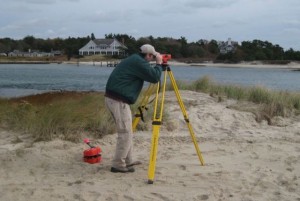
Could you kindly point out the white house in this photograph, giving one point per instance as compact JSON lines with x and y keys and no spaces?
{"x":228,"y":46}
{"x":103,"y":46}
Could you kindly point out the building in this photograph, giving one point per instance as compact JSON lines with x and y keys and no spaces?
{"x":33,"y":53}
{"x":227,"y":46}
{"x":103,"y":47}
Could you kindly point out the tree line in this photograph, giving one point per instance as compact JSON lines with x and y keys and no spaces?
{"x":201,"y":50}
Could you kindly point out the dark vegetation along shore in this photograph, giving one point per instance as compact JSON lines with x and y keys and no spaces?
{"x":183,"y":51}
{"x":68,"y":115}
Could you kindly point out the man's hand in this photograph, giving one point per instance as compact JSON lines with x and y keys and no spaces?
{"x":158,"y":59}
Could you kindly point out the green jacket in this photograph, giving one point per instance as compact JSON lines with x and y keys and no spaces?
{"x":126,"y":80}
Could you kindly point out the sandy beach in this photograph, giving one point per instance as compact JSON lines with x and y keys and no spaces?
{"x":244,"y":160}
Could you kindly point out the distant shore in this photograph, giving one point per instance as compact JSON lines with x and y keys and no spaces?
{"x":292,"y":65}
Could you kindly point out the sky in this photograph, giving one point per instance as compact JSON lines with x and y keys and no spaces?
{"x":276,"y":21}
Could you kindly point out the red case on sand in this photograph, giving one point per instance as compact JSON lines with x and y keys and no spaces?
{"x":92,"y":155}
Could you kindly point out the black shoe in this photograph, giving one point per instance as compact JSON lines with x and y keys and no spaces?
{"x":122,"y":170}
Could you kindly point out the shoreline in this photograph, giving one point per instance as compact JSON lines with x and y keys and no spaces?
{"x":292,"y":65}
{"x":253,"y":64}
{"x":30,"y":62}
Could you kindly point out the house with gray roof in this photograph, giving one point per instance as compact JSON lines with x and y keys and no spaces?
{"x":227,"y":46}
{"x":103,"y":47}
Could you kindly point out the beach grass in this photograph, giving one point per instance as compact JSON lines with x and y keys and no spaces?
{"x":70,"y":115}
{"x":66,"y":115}
{"x":271,"y":103}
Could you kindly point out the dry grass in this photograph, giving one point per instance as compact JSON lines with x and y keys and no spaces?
{"x":33,"y":59}
{"x":270,"y":103}
{"x":66,"y":115}
{"x":95,"y":58}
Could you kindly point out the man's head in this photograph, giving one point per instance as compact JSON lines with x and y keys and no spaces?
{"x":148,"y":51}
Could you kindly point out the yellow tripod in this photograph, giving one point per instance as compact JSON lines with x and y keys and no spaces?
{"x":157,"y":118}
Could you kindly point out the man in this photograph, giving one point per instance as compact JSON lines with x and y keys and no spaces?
{"x":122,"y":89}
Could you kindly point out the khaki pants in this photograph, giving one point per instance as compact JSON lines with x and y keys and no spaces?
{"x":122,"y":115}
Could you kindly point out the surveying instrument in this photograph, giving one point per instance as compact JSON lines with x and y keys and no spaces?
{"x":158,"y":112}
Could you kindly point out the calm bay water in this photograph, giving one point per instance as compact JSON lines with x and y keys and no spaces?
{"x":25,"y":79}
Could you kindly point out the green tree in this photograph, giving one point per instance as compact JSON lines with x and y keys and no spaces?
{"x":93,"y":36}
{"x":71,"y":47}
{"x":278,"y":52}
{"x":58,"y":44}
{"x":127,"y":40}
{"x":29,"y":40}
{"x":184,"y":47}
{"x":213,"y":47}
{"x":260,"y":55}
{"x":195,"y":50}
{"x":7,"y":45}
{"x":291,"y":54}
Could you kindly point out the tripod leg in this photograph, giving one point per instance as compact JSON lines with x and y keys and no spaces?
{"x":142,"y":105}
{"x":153,"y":153}
{"x":175,"y":87}
{"x":156,"y":124}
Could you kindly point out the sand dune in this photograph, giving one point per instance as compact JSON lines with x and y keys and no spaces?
{"x":244,"y":161}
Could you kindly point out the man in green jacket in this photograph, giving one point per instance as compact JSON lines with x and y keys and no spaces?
{"x":122,"y":89}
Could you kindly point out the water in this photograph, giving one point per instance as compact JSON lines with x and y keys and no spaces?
{"x":277,"y":79}
{"x":20,"y":80}
{"x":26,"y":79}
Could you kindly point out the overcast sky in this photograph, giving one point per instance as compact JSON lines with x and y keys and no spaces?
{"x":277,"y":21}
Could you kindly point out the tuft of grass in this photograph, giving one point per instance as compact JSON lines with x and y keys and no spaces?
{"x":273,"y":103}
{"x":64,"y":115}
{"x":204,"y":84}
{"x":259,"y":95}
{"x":234,"y":92}
{"x":180,"y":84}
{"x":295,"y":101}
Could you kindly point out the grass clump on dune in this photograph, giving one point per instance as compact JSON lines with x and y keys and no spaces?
{"x":66,"y":115}
{"x":272,"y":103}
